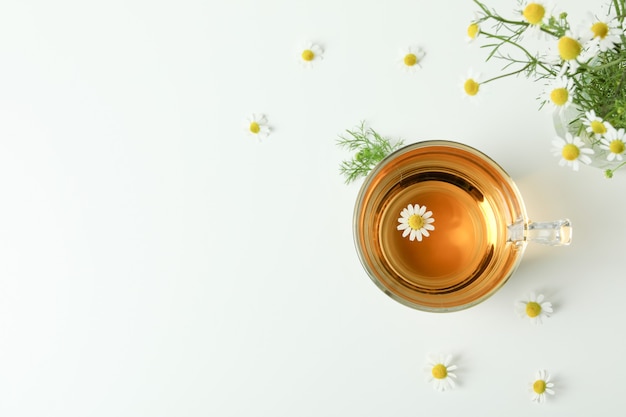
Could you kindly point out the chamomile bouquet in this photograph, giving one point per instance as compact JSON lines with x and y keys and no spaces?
{"x":583,"y":67}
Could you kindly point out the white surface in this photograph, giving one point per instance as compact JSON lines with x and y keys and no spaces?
{"x":155,"y":261}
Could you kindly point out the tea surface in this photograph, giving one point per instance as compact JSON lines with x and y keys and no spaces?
{"x":455,"y":250}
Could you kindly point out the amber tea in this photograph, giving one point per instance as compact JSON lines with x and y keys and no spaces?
{"x":439,"y":226}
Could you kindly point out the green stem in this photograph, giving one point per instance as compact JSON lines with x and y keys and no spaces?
{"x":609,"y":172}
{"x":603,"y":66}
{"x":500,"y":19}
{"x":508,"y":74}
{"x":619,"y":11}
{"x":508,"y":40}
{"x":532,"y":60}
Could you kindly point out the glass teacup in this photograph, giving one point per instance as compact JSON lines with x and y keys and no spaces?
{"x":439,"y":226}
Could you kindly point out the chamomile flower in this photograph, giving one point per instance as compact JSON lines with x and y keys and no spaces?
{"x":534,"y":307}
{"x":614,"y":142}
{"x":473,"y":30}
{"x":415,"y":222}
{"x":541,"y":386}
{"x":471,"y":85}
{"x":560,"y":93}
{"x":596,"y":126}
{"x":602,"y":32}
{"x":411,"y":58}
{"x":439,"y":372}
{"x":536,"y":14}
{"x":572,"y":151}
{"x":570,"y":51}
{"x":256,"y":126}
{"x":311,"y":53}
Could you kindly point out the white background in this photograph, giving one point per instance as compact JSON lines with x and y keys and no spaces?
{"x":156,"y":261}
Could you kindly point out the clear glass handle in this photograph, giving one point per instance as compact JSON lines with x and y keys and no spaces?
{"x":556,"y":233}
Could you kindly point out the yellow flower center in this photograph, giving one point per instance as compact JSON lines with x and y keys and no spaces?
{"x":472,"y":30}
{"x":534,"y":13}
{"x":539,"y":386}
{"x":416,"y":222}
{"x":598,"y":127}
{"x":570,"y":152}
{"x":308,"y":55}
{"x":254,"y":127}
{"x":471,"y":87}
{"x":533,"y":309}
{"x":559,"y":96}
{"x":617,"y":146}
{"x":439,"y":371}
{"x":600,"y":30}
{"x":410,"y":60}
{"x":569,"y":48}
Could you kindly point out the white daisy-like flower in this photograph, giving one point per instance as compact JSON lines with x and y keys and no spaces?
{"x":439,"y":372}
{"x":541,"y":386}
{"x":604,"y":32}
{"x":536,"y":13}
{"x":473,"y":30}
{"x":572,"y":151}
{"x":614,"y":142}
{"x":411,"y":58}
{"x":534,"y":307}
{"x":256,"y":126}
{"x":310,"y":53}
{"x":560,"y":93}
{"x":571,"y":52}
{"x":415,"y":222}
{"x":595,"y":125}
{"x":471,"y":85}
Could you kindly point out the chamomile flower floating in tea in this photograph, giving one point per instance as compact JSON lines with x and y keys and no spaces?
{"x":415,"y":222}
{"x":310,"y":54}
{"x":572,"y":151}
{"x":256,"y":126}
{"x":595,"y":125}
{"x":534,"y":307}
{"x":614,"y":142}
{"x":439,"y":372}
{"x":411,"y":58}
{"x":541,"y":386}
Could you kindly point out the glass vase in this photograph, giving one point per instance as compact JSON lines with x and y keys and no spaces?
{"x":570,"y":120}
